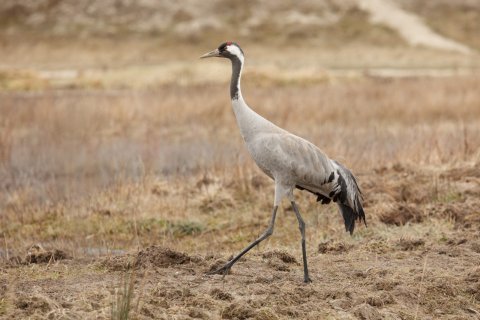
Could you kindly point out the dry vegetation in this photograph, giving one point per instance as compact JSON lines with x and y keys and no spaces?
{"x":101,"y":173}
{"x":123,"y":178}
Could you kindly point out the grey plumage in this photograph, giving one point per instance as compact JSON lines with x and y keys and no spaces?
{"x":291,"y":161}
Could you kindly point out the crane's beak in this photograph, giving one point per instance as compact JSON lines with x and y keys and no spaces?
{"x":214,"y":53}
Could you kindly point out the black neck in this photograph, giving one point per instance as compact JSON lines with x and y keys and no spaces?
{"x":235,"y":82}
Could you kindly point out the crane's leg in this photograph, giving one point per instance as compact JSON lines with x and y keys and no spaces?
{"x":225,"y":269}
{"x":301,"y":225}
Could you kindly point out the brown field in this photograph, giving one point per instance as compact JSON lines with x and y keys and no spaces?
{"x":156,"y":184}
{"x":124,"y":179}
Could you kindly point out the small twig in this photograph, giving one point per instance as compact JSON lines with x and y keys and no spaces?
{"x":50,"y":261}
{"x":473,"y":311}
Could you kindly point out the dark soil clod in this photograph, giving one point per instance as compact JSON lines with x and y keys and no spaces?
{"x":282,"y":255}
{"x":37,"y":254}
{"x":333,"y":247}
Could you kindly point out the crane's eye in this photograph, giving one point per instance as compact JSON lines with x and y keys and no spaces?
{"x":223,"y":46}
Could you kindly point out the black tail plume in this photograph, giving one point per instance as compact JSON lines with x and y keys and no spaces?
{"x":349,"y":216}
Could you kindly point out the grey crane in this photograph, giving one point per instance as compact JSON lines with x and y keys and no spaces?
{"x":292,"y":162}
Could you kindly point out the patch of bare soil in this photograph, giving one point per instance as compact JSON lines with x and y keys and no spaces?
{"x":439,"y":280}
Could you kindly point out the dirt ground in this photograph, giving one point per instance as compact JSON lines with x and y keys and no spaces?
{"x":370,"y":279}
{"x":416,"y":260}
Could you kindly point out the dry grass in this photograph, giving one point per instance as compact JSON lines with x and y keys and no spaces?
{"x":101,"y":173}
{"x":138,"y":167}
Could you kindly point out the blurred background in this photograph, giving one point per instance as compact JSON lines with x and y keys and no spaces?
{"x":97,"y":95}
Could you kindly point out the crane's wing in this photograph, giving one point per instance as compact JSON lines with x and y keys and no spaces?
{"x":296,"y":161}
{"x":292,"y":159}
{"x":300,"y":162}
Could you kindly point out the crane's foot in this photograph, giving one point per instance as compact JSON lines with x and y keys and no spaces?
{"x":307,"y":279}
{"x":223,"y":270}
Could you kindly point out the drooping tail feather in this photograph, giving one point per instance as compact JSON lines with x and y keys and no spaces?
{"x":350,"y":215}
{"x":349,"y":198}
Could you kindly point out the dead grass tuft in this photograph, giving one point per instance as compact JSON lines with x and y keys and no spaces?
{"x":381,"y":299}
{"x":220,"y":294}
{"x":386,"y":284}
{"x":266,"y":314}
{"x":197,"y":313}
{"x":474,"y":275}
{"x":366,"y":312}
{"x":238,"y":311}
{"x":475,"y":246}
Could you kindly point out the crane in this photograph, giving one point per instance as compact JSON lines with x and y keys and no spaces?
{"x":291,"y":161}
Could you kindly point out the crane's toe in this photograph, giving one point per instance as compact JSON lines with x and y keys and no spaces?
{"x":223,"y":270}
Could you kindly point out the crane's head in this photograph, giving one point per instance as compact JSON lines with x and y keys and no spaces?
{"x":229,"y":50}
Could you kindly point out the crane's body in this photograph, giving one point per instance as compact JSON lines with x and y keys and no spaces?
{"x":291,"y":161}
